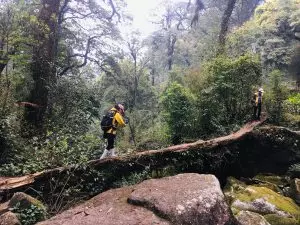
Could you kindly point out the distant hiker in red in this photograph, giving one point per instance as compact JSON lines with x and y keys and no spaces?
{"x":257,"y":101}
{"x":113,"y":120}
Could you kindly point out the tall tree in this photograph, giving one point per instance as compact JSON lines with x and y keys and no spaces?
{"x":6,"y":49}
{"x":65,"y":43}
{"x":295,"y":66}
{"x":43,"y":60}
{"x":175,"y":21}
{"x":135,"y":46}
{"x":225,"y":24}
{"x":6,"y":20}
{"x":244,"y":10}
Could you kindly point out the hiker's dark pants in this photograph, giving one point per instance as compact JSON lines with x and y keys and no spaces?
{"x":110,"y":140}
{"x":257,"y":111}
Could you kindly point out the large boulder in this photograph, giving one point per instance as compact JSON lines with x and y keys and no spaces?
{"x":4,"y":208}
{"x":182,"y":199}
{"x":108,"y":208}
{"x":22,"y":200}
{"x":9,"y":218}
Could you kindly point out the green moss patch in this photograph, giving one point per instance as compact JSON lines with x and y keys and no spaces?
{"x":282,"y":203}
{"x":277,"y":220}
{"x":277,"y":180}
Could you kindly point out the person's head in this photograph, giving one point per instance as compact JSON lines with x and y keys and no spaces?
{"x":261,"y":90}
{"x":120,"y":108}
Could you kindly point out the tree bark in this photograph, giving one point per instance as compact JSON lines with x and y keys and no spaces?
{"x":225,"y":24}
{"x":246,"y":10}
{"x":43,"y":61}
{"x":171,"y":48}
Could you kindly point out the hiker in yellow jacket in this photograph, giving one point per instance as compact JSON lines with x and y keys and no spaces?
{"x":118,"y":113}
{"x":257,"y":101}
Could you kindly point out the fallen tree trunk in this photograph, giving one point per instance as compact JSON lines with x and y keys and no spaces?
{"x":244,"y":153}
{"x":11,"y":183}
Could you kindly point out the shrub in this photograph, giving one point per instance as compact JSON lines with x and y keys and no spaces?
{"x":30,"y":215}
{"x":293,"y":104}
{"x":57,"y":149}
{"x":275,"y":96}
{"x":177,"y":103}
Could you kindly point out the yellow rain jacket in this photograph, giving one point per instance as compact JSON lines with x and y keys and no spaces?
{"x":117,"y":122}
{"x":256,"y":98}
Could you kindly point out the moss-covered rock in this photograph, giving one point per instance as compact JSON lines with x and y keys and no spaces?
{"x":261,"y":200}
{"x":295,"y":190}
{"x":252,"y":193}
{"x":278,"y":220}
{"x":28,"y":209}
{"x":251,"y":218}
{"x":23,"y":200}
{"x":274,"y":179}
{"x":273,"y":182}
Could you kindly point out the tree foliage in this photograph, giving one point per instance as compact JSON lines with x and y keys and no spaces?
{"x":225,"y":92}
{"x":177,"y":103}
{"x":271,"y":32}
{"x":275,"y":97}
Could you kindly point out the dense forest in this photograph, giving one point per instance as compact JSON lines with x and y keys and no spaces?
{"x":193,"y":78}
{"x":64,"y":63}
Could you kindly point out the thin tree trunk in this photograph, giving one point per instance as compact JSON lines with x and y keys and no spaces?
{"x":171,"y":47}
{"x":131,"y":127}
{"x":152,"y":73}
{"x":2,"y":67}
{"x":7,"y":79}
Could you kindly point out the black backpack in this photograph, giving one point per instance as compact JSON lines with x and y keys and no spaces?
{"x":259,"y":97}
{"x":107,"y":121}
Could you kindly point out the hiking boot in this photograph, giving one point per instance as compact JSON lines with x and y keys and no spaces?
{"x":112,"y":153}
{"x":104,"y":154}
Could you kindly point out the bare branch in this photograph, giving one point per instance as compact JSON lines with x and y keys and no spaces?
{"x":84,"y":56}
{"x":83,"y":16}
{"x":62,"y":11}
{"x":28,"y":104}
{"x":114,"y":11}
